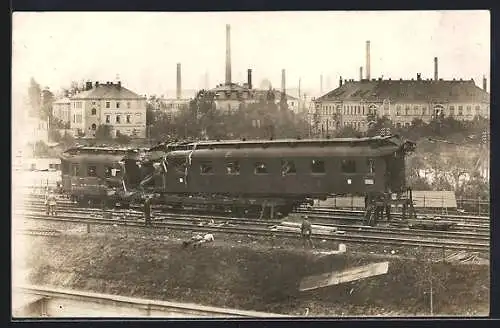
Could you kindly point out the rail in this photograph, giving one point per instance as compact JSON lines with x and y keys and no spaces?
{"x":55,"y":302}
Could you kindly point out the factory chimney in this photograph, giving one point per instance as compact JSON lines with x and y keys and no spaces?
{"x":340,"y":82}
{"x":299,"y":89}
{"x":249,"y":78}
{"x":484,"y":83}
{"x":179,"y":86}
{"x":361,"y":73}
{"x":228,"y":54}
{"x":435,"y":69}
{"x":368,"y":60}
{"x":283,"y":82}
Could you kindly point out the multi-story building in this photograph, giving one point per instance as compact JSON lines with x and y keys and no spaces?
{"x":61,"y":109}
{"x":357,"y":103}
{"x":108,"y":104}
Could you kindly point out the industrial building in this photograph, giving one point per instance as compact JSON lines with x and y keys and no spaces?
{"x":357,"y":103}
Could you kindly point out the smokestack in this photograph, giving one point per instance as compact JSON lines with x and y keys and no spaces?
{"x":368,"y":60}
{"x":228,"y":54}
{"x":340,"y":81}
{"x":249,"y":78}
{"x":283,"y":82}
{"x":484,"y":83}
{"x":361,"y":73}
{"x":435,"y":68}
{"x":179,"y":87}
{"x":321,"y":84}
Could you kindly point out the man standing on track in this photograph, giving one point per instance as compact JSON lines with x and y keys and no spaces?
{"x":147,"y":210}
{"x":306,"y":232}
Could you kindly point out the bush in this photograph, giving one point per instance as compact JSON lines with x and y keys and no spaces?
{"x":122,"y":139}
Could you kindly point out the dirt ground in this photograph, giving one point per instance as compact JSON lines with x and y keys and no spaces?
{"x":247,"y":273}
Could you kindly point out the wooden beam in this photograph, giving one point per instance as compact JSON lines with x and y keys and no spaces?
{"x":340,"y":277}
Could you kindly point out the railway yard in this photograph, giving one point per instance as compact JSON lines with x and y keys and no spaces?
{"x":256,"y":264}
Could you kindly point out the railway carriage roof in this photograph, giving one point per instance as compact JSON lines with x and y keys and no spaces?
{"x":359,"y":147}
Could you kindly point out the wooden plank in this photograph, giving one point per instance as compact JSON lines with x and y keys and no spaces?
{"x":336,"y":278}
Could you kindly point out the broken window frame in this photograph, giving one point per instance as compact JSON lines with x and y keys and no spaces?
{"x":318,"y":166}
{"x":206,"y":168}
{"x":348,"y":166}
{"x":288,"y":167}
{"x":260,"y":168}
{"x":233,"y":168}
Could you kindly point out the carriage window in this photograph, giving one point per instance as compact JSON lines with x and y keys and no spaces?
{"x":75,"y":170}
{"x":260,"y":168}
{"x":115,"y":172}
{"x":371,"y":165}
{"x":348,"y":166}
{"x":288,"y":167}
{"x":317,"y":166}
{"x":233,"y":167}
{"x":91,"y":171}
{"x":179,"y":164}
{"x":206,"y":168}
{"x":107,"y":171}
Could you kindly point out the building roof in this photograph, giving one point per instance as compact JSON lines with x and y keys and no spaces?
{"x":62,"y":101}
{"x":107,"y":91}
{"x":408,"y":91}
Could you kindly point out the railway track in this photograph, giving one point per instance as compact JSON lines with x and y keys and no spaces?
{"x":339,"y":220}
{"x":39,"y":232}
{"x":354,"y":214}
{"x":353,"y":234}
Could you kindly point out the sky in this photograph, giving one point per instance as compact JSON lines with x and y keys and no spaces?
{"x":143,"y":48}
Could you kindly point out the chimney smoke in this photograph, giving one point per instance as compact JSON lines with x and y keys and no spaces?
{"x":228,"y":54}
{"x":361,"y":73}
{"x":179,"y":86}
{"x":368,"y":60}
{"x":249,"y":78}
{"x":436,"y":69}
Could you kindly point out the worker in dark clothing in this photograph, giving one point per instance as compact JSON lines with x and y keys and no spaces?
{"x":147,"y":210}
{"x":306,"y":232}
{"x":388,"y":206}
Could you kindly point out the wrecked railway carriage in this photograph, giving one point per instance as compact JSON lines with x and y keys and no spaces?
{"x":264,"y":177}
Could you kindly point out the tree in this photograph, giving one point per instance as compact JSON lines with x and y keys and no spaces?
{"x":103,"y":132}
{"x":35,"y":98}
{"x":47,"y":101}
{"x":54,"y":135}
{"x":122,"y":138}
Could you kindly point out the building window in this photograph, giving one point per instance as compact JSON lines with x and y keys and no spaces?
{"x":416,"y":110}
{"x":477,"y":110}
{"x":94,"y":127}
{"x":128,"y":118}
{"x":94,"y":111}
{"x":288,"y":167}
{"x":206,"y":168}
{"x":469,"y":110}
{"x":75,"y":170}
{"x":260,"y":168}
{"x":117,"y":104}
{"x":117,"y":118}
{"x":91,"y":171}
{"x":233,"y":168}
{"x":398,"y":110}
{"x":108,"y":119}
{"x":460,"y":110}
{"x":108,"y":105}
{"x":424,"y":111}
{"x":128,"y":104}
{"x":348,"y":166}
{"x":398,"y":125}
{"x":452,"y":110}
{"x":317,"y":166}
{"x":407,"y":110}
{"x":93,"y":103}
